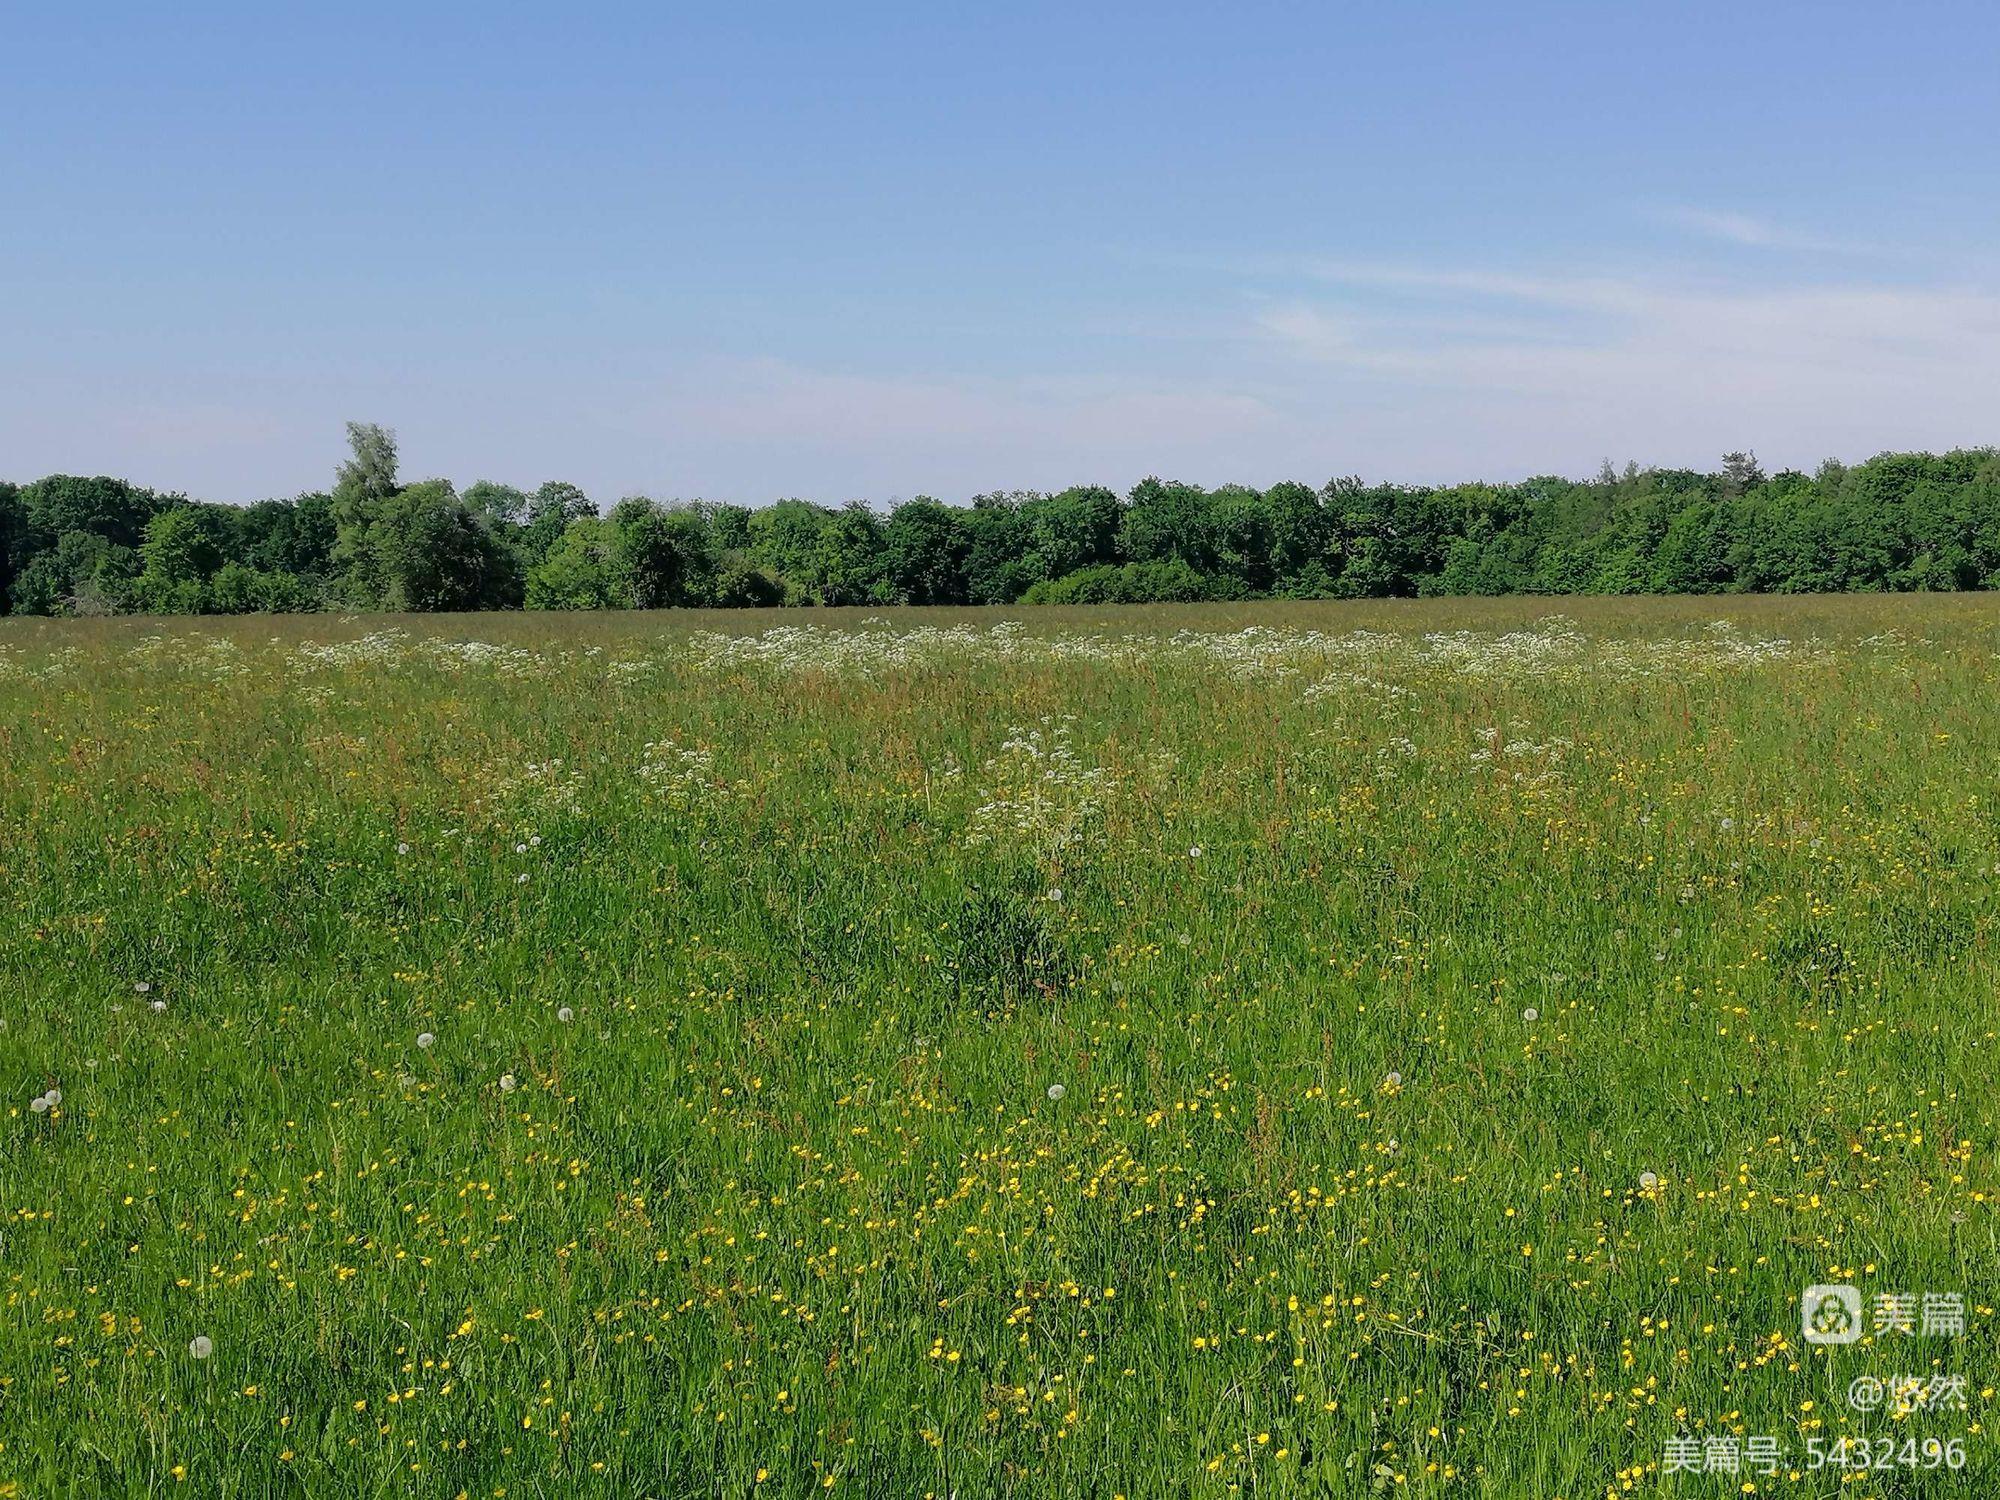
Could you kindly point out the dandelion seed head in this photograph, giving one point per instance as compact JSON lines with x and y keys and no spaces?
{"x":40,"y":1104}
{"x":565,"y":1015}
{"x":201,"y":1346}
{"x":426,"y":1041}
{"x":1531,"y":1014}
{"x":142,"y":988}
{"x":1649,"y":1180}
{"x":158,"y":1006}
{"x":1056,"y":1092}
{"x":506,"y":1083}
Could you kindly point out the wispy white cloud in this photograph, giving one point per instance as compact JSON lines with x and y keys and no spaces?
{"x":1648,"y":331}
{"x":1756,"y":232}
{"x":1512,"y":363}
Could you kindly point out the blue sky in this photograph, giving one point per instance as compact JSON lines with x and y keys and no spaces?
{"x":870,"y":251}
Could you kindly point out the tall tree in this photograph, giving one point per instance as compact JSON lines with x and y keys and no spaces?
{"x":364,"y":483}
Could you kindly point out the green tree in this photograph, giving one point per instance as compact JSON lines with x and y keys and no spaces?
{"x":288,"y":536}
{"x":580,"y":571}
{"x":183,"y":549}
{"x":551,"y":511}
{"x":364,"y":483}
{"x":1073,"y":529}
{"x":428,"y":552}
{"x":1167,"y":521}
{"x":13,"y":540}
{"x":926,"y":546}
{"x":82,"y":574}
{"x":998,"y":542}
{"x":661,"y":556}
{"x":500,"y":506}
{"x":109,"y":508}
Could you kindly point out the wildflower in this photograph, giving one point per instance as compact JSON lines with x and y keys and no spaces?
{"x":201,"y":1346}
{"x":426,"y":1041}
{"x":1649,"y":1180}
{"x":506,"y":1083}
{"x":1056,"y":1092}
{"x":565,"y":1015}
{"x":1393,"y":1079}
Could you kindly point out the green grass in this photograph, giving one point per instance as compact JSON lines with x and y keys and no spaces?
{"x":788,"y":1194}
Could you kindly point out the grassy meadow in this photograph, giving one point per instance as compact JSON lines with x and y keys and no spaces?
{"x":1406,"y":1048}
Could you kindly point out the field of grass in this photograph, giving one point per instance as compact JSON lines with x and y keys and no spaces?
{"x":1279,"y":1050}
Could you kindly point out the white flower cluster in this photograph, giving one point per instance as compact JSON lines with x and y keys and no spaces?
{"x":194,"y":654}
{"x":1527,"y":763}
{"x":16,"y":664}
{"x":1038,"y":791}
{"x":682,"y":776}
{"x":396,"y":647}
{"x":534,"y":791}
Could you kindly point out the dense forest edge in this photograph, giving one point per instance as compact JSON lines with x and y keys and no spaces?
{"x":100,"y":546}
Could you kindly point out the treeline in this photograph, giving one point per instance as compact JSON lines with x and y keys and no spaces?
{"x":1902,"y":521}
